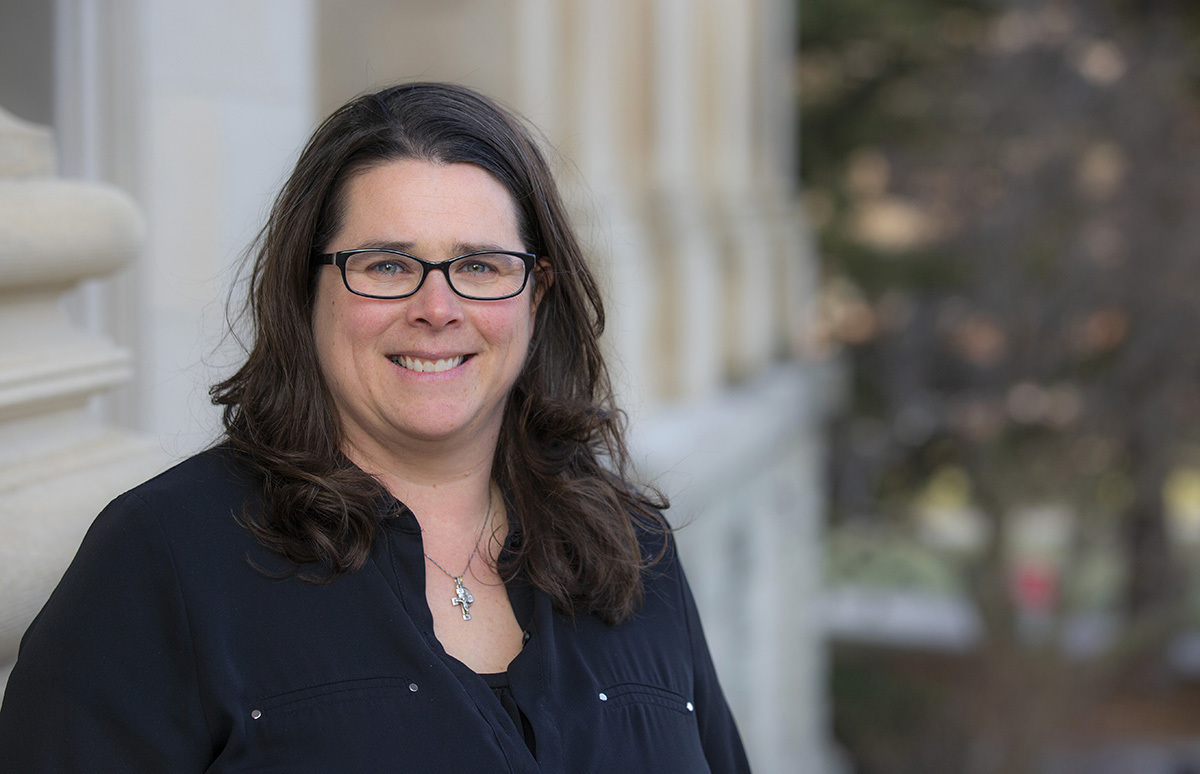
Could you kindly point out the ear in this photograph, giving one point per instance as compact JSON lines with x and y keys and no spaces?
{"x":543,"y":278}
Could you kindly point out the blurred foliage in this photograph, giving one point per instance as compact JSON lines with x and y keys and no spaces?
{"x":1005,"y":193}
{"x":887,"y":560}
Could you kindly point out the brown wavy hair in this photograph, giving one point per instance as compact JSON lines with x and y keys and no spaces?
{"x":561,"y":459}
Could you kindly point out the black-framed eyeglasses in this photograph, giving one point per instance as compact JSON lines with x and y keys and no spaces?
{"x":480,"y":276}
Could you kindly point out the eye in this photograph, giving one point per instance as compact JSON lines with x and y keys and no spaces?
{"x":475,"y":267}
{"x":386,"y":267}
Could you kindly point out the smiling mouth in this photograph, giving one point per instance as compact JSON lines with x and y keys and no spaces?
{"x":427,"y":366}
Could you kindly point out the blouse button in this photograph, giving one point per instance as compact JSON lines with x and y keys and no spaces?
{"x":412,"y":687}
{"x":603,"y":697}
{"x":255,"y":714}
{"x":690,"y":707}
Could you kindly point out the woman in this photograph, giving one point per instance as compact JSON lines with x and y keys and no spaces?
{"x":416,"y":548}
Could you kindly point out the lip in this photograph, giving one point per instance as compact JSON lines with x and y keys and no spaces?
{"x":429,"y":363}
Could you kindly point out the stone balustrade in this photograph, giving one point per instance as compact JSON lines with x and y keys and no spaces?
{"x":743,"y":472}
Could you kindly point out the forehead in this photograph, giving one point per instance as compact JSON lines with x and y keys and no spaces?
{"x":425,"y":203}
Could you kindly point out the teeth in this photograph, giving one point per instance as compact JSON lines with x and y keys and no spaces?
{"x":428,"y":366}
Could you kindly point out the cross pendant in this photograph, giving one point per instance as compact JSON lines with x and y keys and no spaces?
{"x":462,"y":597}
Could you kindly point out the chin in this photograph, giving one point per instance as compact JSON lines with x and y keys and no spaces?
{"x":434,"y":431}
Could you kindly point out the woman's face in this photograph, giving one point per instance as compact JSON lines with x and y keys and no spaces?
{"x":369,"y":348}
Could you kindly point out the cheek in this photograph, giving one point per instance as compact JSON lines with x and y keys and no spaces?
{"x":323,"y":329}
{"x":513,"y":327}
{"x":344,"y":324}
{"x":338,"y":331}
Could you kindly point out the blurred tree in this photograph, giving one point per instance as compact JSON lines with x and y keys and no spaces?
{"x":1008,"y":197}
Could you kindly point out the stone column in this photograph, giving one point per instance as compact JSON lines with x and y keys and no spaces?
{"x":597,"y":57}
{"x":198,"y":111}
{"x":796,"y":265}
{"x":538,"y":64}
{"x":691,"y":318}
{"x":59,"y":464}
{"x":751,"y":299}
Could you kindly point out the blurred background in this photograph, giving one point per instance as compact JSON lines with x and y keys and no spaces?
{"x":1006,"y":195}
{"x":901,"y":295}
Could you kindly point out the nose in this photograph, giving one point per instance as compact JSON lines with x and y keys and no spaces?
{"x":434,"y":305}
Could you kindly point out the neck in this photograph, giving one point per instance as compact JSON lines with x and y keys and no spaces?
{"x":446,"y":491}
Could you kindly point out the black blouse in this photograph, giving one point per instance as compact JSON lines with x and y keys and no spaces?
{"x":498,"y":682}
{"x":166,"y":647}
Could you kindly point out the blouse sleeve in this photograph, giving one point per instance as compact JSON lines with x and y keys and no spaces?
{"x":718,"y":732}
{"x":105,"y":677}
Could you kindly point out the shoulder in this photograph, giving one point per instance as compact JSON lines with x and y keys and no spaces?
{"x":214,"y":477}
{"x":207,"y":487}
{"x":656,"y":543}
{"x":108,"y":663}
{"x":192,"y":510}
{"x":149,"y":554}
{"x":662,"y":577}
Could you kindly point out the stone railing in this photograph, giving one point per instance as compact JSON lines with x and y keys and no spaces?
{"x":58,"y":462}
{"x":743,"y":472}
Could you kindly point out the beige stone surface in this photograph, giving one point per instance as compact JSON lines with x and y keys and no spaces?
{"x":25,"y":149}
{"x":59,"y":463}
{"x":58,"y":232}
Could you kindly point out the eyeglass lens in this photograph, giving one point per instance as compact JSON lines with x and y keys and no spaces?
{"x":482,"y":275}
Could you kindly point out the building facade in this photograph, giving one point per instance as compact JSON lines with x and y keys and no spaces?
{"x":133,"y":178}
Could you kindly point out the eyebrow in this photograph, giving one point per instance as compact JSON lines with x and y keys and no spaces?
{"x":461,"y":248}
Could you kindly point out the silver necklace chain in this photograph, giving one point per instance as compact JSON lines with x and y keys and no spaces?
{"x":462,"y":595}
